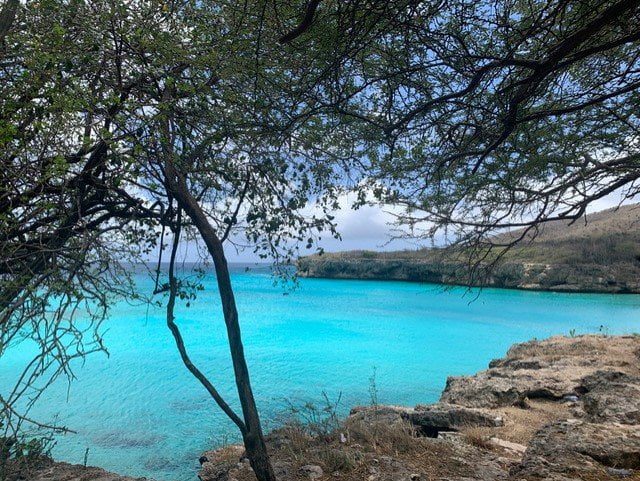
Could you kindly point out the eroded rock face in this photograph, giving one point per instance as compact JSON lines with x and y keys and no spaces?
{"x":552,"y":369}
{"x":490,"y":390}
{"x":381,"y":414}
{"x":612,"y":396}
{"x":622,"y":277}
{"x":574,"y":448}
{"x":429,"y":419}
{"x":442,"y":416}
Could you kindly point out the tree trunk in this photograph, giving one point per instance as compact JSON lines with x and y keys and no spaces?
{"x":7,"y":17}
{"x":252,"y":434}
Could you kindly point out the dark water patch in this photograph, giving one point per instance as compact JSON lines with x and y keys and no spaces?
{"x":160,"y":463}
{"x":186,"y":405}
{"x":123,"y":439}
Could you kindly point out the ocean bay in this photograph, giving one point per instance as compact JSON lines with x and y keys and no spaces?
{"x":139,"y":412}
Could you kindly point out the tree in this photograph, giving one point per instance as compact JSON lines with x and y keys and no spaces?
{"x":120,"y":121}
{"x":485,"y":116}
{"x":62,"y":210}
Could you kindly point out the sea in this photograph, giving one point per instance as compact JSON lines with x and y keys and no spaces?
{"x":138,"y":412}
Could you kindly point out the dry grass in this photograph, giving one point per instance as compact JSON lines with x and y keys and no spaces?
{"x":519,"y":424}
{"x":368,"y":446}
{"x":479,"y":437}
{"x":382,"y":438}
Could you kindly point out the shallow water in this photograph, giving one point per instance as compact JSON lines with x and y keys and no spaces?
{"x":140,"y":413}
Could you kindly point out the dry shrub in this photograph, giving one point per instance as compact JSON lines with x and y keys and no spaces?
{"x":297,"y":440}
{"x":478,"y":437}
{"x":385,"y":438}
{"x":300,"y":448}
{"x":337,"y":459}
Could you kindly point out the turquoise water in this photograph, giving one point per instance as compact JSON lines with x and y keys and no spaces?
{"x":141,"y":413}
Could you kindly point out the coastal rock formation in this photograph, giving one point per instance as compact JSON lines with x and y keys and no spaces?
{"x":599,"y":254}
{"x":220,"y":464}
{"x":381,"y":414}
{"x":572,"y":449}
{"x":612,"y":396}
{"x":553,"y":369}
{"x":428,"y":419}
{"x":617,"y":278}
{"x":563,"y":409}
{"x":442,"y":417}
{"x":48,"y":470}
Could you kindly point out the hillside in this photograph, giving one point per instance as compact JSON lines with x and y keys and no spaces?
{"x":600,"y":253}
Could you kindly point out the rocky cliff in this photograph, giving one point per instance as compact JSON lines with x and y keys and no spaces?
{"x":621,"y":277}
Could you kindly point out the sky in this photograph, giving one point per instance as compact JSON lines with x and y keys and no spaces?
{"x":370,"y":228}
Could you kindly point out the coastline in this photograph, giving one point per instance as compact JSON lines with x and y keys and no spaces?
{"x":623,"y":278}
{"x":561,"y":409}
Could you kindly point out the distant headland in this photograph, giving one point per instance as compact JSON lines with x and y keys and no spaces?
{"x":598,"y":254}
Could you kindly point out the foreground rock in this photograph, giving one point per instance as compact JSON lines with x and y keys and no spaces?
{"x":574,"y":449}
{"x":561,"y":410}
{"x":612,"y":396}
{"x":564,"y":409}
{"x":429,"y":419}
{"x":553,"y":369}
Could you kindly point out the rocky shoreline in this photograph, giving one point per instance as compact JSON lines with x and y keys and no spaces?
{"x":615,"y":278}
{"x":562,"y":409}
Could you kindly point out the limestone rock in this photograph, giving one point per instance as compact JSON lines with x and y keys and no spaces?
{"x":621,"y":277}
{"x":612,"y":396}
{"x":443,"y":417}
{"x":508,"y":445}
{"x":499,"y":387}
{"x":579,"y":448}
{"x":48,"y":470}
{"x":380,"y":414}
{"x":429,"y":419}
{"x":312,"y":470}
{"x":217,"y":464}
{"x":554,"y":369}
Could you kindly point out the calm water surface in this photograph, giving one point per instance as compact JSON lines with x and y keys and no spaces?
{"x":141,"y":413}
